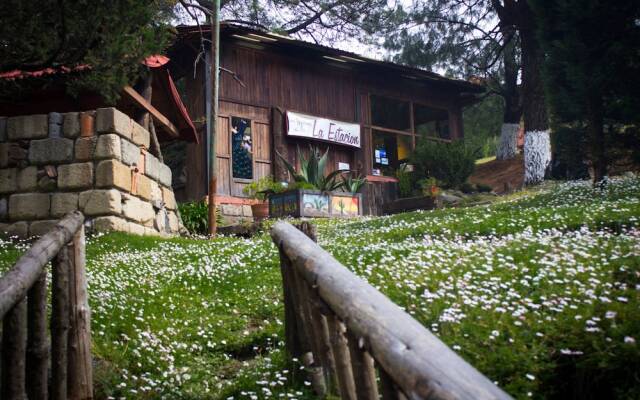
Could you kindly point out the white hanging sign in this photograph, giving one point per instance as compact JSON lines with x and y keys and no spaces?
{"x":328,"y":130}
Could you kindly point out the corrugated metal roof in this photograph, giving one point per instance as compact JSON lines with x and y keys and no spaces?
{"x":337,"y":55}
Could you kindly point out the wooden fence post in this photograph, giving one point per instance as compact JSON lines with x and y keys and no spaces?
{"x":344,"y":374}
{"x":320,"y":327}
{"x":364,"y":373}
{"x":308,"y":229}
{"x":80,"y":373}
{"x":388,"y":388}
{"x":313,"y":336}
{"x":37,"y":340}
{"x":417,"y":363}
{"x":292,"y":328}
{"x":14,"y":348}
{"x":60,"y":324}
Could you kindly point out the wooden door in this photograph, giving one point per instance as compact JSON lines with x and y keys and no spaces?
{"x":223,"y":153}
{"x":261,"y":155}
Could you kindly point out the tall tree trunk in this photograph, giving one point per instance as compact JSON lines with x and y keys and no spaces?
{"x":537,"y":142}
{"x":508,"y":147}
{"x":597,"y":140}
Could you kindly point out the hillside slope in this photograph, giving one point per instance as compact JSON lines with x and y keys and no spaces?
{"x":498,"y":173}
{"x":540,"y":293}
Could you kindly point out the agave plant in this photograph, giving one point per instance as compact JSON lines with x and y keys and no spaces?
{"x":312,"y":170}
{"x":353,"y":184}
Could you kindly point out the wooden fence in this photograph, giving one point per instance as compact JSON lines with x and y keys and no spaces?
{"x":23,"y":309}
{"x":354,"y":339}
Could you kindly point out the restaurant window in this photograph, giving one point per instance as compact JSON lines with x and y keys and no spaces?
{"x":389,"y":151}
{"x":241,"y":148}
{"x":431,"y":122}
{"x":390,"y":113}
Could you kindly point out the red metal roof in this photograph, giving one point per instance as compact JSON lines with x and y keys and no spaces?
{"x":155,"y":61}
{"x":18,"y":74}
{"x":186,"y":127}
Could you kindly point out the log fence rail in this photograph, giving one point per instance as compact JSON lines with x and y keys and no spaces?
{"x":23,"y":309}
{"x":354,"y":341}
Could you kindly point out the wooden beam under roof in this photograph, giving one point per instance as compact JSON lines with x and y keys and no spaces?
{"x":164,"y":122}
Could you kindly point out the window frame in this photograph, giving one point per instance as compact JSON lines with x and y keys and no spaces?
{"x":434,"y":138}
{"x":369,"y":127}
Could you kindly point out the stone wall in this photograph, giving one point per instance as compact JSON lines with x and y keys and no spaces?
{"x":96,"y":162}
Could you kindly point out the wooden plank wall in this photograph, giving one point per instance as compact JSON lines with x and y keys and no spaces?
{"x":196,"y":157}
{"x":273,"y":80}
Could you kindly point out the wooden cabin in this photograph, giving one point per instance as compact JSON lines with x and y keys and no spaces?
{"x":278,"y":93}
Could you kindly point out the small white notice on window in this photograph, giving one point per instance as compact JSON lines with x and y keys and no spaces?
{"x":343,"y":165}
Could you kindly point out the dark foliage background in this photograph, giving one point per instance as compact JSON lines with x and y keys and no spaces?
{"x":111,"y":37}
{"x":482,"y":123}
{"x":591,"y":70}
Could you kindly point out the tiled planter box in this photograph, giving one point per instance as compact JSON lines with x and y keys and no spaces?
{"x":313,"y":203}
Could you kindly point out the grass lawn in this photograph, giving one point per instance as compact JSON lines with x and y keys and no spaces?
{"x":539,"y":291}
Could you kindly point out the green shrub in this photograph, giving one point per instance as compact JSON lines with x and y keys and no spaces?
{"x":483,"y":188}
{"x":195,"y":216}
{"x":405,"y":181}
{"x":487,"y":145}
{"x":467,"y":188}
{"x":429,"y":187}
{"x":569,"y":152}
{"x":301,"y":186}
{"x":261,"y":188}
{"x":450,"y":163}
{"x":352,"y":183}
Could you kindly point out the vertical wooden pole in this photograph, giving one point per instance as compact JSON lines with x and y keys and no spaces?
{"x":60,"y":324}
{"x":215,"y":83}
{"x":80,"y":373}
{"x":155,"y":143}
{"x":317,"y":372}
{"x":14,"y":347}
{"x":280,"y":173}
{"x":292,"y":328}
{"x":37,"y":336}
{"x":364,"y":373}
{"x":142,"y":117}
{"x":318,"y":318}
{"x":344,"y":374}
{"x":320,"y":328}
{"x":145,"y":89}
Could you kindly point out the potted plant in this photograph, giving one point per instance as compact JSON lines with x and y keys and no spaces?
{"x":314,"y":193}
{"x":430,"y":187}
{"x":353,"y":184}
{"x":347,"y":202}
{"x":260,"y":190}
{"x":312,"y":169}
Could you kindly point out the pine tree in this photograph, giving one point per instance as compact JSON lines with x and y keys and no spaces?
{"x":108,"y":38}
{"x":478,"y":35}
{"x":591,"y":70}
